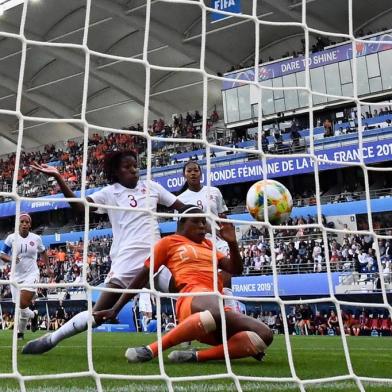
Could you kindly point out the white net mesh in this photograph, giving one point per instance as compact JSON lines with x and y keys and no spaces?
{"x":171,"y":382}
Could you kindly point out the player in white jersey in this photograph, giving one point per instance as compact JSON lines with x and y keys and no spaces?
{"x":193,"y":192}
{"x":28,"y":246}
{"x":145,"y":309}
{"x":133,"y":232}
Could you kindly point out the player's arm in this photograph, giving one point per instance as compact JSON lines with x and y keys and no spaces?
{"x":5,"y":258}
{"x":5,"y":253}
{"x":44,"y":256}
{"x":222,"y":207}
{"x":177,"y":205}
{"x":166,"y":198}
{"x":232,"y":264}
{"x":52,"y":171}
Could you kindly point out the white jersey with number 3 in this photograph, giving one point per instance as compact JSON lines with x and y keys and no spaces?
{"x":133,"y":231}
{"x":27,"y":250}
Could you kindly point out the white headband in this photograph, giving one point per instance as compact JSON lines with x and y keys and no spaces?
{"x":187,"y":210}
{"x":25,"y":214}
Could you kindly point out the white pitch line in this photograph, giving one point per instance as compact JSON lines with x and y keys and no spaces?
{"x":203,"y":387}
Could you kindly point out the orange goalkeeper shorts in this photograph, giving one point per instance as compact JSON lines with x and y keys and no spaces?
{"x":184,"y":304}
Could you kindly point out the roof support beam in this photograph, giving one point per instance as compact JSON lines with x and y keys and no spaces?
{"x":167,"y":76}
{"x":161,"y":33}
{"x":295,"y":14}
{"x":115,"y":81}
{"x":48,"y":103}
{"x":6,"y":134}
{"x":374,"y":18}
{"x":250,"y":55}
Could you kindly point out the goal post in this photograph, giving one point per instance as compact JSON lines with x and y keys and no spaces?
{"x":313,"y":156}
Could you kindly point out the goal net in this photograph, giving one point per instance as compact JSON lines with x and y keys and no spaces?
{"x":198,"y":75}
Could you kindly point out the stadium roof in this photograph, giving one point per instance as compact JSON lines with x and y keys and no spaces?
{"x":53,"y":77}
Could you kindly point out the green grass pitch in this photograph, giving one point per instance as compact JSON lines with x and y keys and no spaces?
{"x":314,"y":357}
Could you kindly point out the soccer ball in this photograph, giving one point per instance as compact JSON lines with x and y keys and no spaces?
{"x":279,"y":201}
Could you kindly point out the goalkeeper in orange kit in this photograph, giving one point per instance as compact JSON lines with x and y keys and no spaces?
{"x":188,"y":255}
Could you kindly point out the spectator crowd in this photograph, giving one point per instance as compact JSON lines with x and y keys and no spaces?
{"x":302,"y":250}
{"x":66,"y":265}
{"x":69,"y":159}
{"x":307,"y":320}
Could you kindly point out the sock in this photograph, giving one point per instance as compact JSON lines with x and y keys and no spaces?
{"x":24,"y":316}
{"x":74,"y":326}
{"x":145,"y":320}
{"x":196,"y":326}
{"x":30,"y":314}
{"x":230,"y":304}
{"x":242,"y":344}
{"x":23,"y":320}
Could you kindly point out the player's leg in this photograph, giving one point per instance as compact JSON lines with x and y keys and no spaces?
{"x":26,"y":295}
{"x":144,"y":320}
{"x":246,"y":336}
{"x":203,"y":324}
{"x":74,"y":326}
{"x":79,"y":322}
{"x":191,"y":327}
{"x":235,"y":322}
{"x":25,"y":313}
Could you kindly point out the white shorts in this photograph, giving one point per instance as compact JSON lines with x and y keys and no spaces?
{"x":233,"y":304}
{"x":145,"y":304}
{"x":29,"y":279}
{"x":161,"y":279}
{"x":121,"y":280}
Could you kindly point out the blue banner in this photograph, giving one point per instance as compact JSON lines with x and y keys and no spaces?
{"x":224,"y":5}
{"x":8,"y":209}
{"x":378,"y":151}
{"x":329,"y":56}
{"x":294,"y":284}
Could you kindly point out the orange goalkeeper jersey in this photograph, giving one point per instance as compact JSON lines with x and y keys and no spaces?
{"x":189,"y":262}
